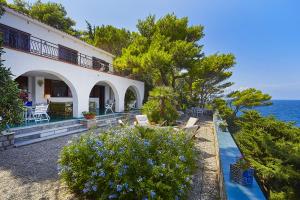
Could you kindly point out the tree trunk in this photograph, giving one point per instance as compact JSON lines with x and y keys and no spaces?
{"x":164,"y":78}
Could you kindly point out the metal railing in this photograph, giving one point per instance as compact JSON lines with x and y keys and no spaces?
{"x":22,"y":41}
{"x":37,"y":46}
{"x":50,"y":50}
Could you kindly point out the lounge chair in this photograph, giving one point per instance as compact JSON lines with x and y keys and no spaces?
{"x":191,"y":122}
{"x":190,"y":128}
{"x":121,"y":123}
{"x":142,"y":120}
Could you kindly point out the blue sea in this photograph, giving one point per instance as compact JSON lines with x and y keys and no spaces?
{"x":285,"y":110}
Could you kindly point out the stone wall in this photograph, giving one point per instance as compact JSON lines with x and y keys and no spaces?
{"x":7,"y":140}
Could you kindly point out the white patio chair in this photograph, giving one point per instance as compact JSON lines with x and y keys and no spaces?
{"x":109,"y":106}
{"x":199,"y":111}
{"x":39,"y":113}
{"x":132,"y":105}
{"x":194,"y":111}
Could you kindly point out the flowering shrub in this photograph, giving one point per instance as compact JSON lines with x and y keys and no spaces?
{"x":136,"y":163}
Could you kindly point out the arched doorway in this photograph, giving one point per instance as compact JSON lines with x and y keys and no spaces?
{"x":46,"y":87}
{"x":103,"y":93}
{"x":132,"y":98}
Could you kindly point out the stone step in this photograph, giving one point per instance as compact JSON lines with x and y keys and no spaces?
{"x":44,"y":126}
{"x":108,"y":116}
{"x":109,"y":119}
{"x":37,"y":134}
{"x":27,"y":142}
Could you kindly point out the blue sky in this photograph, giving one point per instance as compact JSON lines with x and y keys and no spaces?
{"x":264,"y":35}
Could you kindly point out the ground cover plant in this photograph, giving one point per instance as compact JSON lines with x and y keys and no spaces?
{"x":129,"y":163}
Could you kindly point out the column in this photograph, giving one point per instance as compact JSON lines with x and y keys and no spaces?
{"x":30,"y":88}
{"x":119,"y":107}
{"x":80,"y":103}
{"x":106,"y":96}
{"x":39,"y":85}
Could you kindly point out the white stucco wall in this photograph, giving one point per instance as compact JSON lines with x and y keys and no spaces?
{"x":80,"y":80}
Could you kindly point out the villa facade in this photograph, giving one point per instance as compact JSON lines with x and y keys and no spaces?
{"x":52,"y":66}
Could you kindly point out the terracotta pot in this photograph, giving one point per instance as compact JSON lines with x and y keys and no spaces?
{"x":89,"y":116}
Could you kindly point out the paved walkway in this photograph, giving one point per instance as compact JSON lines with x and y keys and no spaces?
{"x":205,"y":181}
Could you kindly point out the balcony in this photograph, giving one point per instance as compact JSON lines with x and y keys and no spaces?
{"x":22,"y":41}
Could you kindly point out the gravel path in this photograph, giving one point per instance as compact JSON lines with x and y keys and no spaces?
{"x":30,"y":172}
{"x":205,"y":181}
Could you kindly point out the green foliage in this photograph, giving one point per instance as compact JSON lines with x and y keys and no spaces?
{"x":273,"y":148}
{"x":108,"y":38}
{"x":248,"y":99}
{"x":129,"y":163}
{"x":238,"y":101}
{"x":208,"y":77}
{"x":11,"y":107}
{"x":53,"y":14}
{"x":167,"y":52}
{"x":161,"y":49}
{"x":21,"y":6}
{"x":161,"y":106}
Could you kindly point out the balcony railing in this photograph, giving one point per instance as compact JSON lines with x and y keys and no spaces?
{"x":47,"y":49}
{"x":19,"y":40}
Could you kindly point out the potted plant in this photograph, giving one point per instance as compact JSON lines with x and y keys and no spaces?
{"x":241,"y":172}
{"x":89,"y":115}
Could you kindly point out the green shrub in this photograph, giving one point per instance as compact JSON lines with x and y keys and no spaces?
{"x":137,"y":163}
{"x":11,"y":106}
{"x":161,"y":107}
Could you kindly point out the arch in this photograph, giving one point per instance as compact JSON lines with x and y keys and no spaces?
{"x":137,"y":94}
{"x":61,"y":77}
{"x":113,"y":88}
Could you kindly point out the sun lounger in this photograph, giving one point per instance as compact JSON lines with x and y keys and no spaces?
{"x":142,"y":120}
{"x":190,"y":128}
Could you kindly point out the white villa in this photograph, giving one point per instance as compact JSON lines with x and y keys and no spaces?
{"x":53,"y":66}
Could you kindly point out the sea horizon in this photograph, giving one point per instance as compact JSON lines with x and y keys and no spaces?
{"x":285,"y":110}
